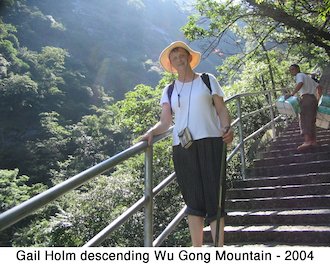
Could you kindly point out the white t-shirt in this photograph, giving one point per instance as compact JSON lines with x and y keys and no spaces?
{"x":309,"y":84}
{"x":203,"y":119}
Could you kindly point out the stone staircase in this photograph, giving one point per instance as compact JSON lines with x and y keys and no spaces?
{"x":285,"y":198}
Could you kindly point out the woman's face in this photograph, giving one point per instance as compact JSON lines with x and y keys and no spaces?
{"x":180,"y":59}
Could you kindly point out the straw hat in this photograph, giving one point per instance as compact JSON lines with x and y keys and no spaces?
{"x":164,"y":57}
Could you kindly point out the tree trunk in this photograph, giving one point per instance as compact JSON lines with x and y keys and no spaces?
{"x":325,"y":80}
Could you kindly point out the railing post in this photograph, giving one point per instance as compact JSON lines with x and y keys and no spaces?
{"x":240,"y":133}
{"x":148,"y":219}
{"x":272,"y":115}
{"x":286,"y":117}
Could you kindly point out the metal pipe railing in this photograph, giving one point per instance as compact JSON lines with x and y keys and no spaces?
{"x":272,"y":115}
{"x":22,"y":210}
{"x":17,"y":213}
{"x":159,"y":240}
{"x":239,"y":121}
{"x":148,"y":220}
{"x":240,"y":133}
{"x":101,"y":236}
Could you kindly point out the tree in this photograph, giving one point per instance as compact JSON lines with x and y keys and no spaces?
{"x":13,"y":191}
{"x":284,"y":22}
{"x":301,"y":16}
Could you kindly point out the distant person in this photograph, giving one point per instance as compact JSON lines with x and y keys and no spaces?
{"x":197,"y":166}
{"x":309,"y":104}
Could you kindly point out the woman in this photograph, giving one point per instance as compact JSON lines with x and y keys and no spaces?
{"x":207,"y":119}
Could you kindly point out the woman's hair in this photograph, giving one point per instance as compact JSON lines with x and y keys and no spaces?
{"x":176,"y":49}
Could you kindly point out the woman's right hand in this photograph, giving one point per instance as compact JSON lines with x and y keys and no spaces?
{"x":148,"y":136}
{"x":161,"y":127}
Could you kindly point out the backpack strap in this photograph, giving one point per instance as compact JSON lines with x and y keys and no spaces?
{"x":170,"y":91}
{"x":205,"y":77}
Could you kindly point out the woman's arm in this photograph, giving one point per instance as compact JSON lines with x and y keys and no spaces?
{"x":223,"y":113}
{"x":161,"y":127}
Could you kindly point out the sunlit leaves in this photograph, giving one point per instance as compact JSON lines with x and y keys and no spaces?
{"x":324,"y":10}
{"x":140,"y":109}
{"x":214,"y":18}
{"x":191,"y":30}
{"x":297,"y":17}
{"x":53,"y":57}
{"x":14,"y":189}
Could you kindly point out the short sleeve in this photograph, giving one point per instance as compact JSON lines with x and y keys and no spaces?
{"x":216,"y":88}
{"x":164,"y":98}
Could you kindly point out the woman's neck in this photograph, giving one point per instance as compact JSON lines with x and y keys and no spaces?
{"x":187,"y":77}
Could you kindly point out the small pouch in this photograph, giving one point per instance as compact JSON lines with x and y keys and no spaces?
{"x":185,"y":138}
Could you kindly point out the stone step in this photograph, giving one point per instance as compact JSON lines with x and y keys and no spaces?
{"x":305,"y":216}
{"x":296,"y":157}
{"x":290,"y":144}
{"x":275,"y":153}
{"x":296,"y":234}
{"x":278,"y":191}
{"x":295,"y":135}
{"x":295,"y":128}
{"x":264,"y":203}
{"x":285,"y":198}
{"x":289,"y":169}
{"x":283,"y":180}
{"x":302,"y":235}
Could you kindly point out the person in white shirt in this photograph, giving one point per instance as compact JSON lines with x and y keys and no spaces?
{"x":206,"y":116}
{"x":306,"y":87}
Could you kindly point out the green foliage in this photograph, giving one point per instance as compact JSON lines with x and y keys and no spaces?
{"x":324,"y":10}
{"x":86,"y":212}
{"x":32,"y":83}
{"x":142,"y":106}
{"x":13,"y":191}
{"x":52,"y":57}
{"x":113,"y":53}
{"x":258,"y":24}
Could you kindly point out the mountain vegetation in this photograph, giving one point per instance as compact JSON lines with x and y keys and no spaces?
{"x":80,"y":82}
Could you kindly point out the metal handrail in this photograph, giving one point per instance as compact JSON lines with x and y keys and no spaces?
{"x":22,"y":210}
{"x":239,"y":119}
{"x":19,"y":212}
{"x":100,"y":237}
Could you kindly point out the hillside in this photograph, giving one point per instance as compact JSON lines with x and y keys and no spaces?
{"x":118,"y":41}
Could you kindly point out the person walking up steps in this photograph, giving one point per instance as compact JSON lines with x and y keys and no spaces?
{"x":309,"y":103}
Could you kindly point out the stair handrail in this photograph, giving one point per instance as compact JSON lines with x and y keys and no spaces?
{"x":13,"y":215}
{"x":24,"y":209}
{"x":240,"y":117}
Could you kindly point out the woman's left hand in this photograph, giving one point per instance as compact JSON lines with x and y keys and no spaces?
{"x":228,"y":135}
